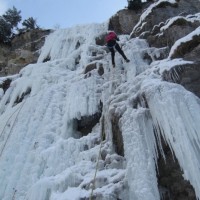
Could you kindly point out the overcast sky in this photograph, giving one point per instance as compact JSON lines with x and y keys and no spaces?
{"x":64,"y":13}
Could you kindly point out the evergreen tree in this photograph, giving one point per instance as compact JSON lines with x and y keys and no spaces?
{"x":12,"y":16}
{"x":5,"y":30}
{"x":8,"y":22}
{"x":30,"y":23}
{"x":134,"y":4}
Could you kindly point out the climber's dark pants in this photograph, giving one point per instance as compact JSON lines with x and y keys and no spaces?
{"x":112,"y":50}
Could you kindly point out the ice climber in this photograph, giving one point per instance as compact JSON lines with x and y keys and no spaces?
{"x":111,"y":43}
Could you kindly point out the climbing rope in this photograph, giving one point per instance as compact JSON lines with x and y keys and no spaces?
{"x":19,"y":109}
{"x":101,"y":142}
{"x":8,"y":121}
{"x":13,"y":198}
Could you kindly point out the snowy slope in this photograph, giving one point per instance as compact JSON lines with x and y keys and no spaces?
{"x":43,"y":155}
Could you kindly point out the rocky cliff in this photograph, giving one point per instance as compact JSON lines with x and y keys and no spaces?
{"x":23,"y":50}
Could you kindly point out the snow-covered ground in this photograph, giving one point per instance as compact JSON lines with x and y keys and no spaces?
{"x":43,"y":155}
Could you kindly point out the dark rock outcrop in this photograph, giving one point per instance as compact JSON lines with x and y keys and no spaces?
{"x":31,"y":40}
{"x":85,"y":124}
{"x":186,"y":75}
{"x":92,"y":66}
{"x":23,"y":50}
{"x":169,"y":36}
{"x":186,"y":48}
{"x":150,"y":27}
{"x":117,"y":135}
{"x":6,"y":84}
{"x":124,"y":21}
{"x":170,"y":179}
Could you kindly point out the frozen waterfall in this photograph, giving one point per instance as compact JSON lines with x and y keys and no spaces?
{"x":44,"y":155}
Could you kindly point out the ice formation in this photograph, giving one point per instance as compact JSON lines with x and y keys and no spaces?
{"x":44,"y":156}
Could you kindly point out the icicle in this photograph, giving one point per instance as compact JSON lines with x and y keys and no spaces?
{"x":176,"y":112}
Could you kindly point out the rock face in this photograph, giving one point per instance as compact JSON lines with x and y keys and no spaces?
{"x":23,"y":50}
{"x":123,"y":21}
{"x":117,"y":135}
{"x":163,"y":12}
{"x":170,"y":180}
